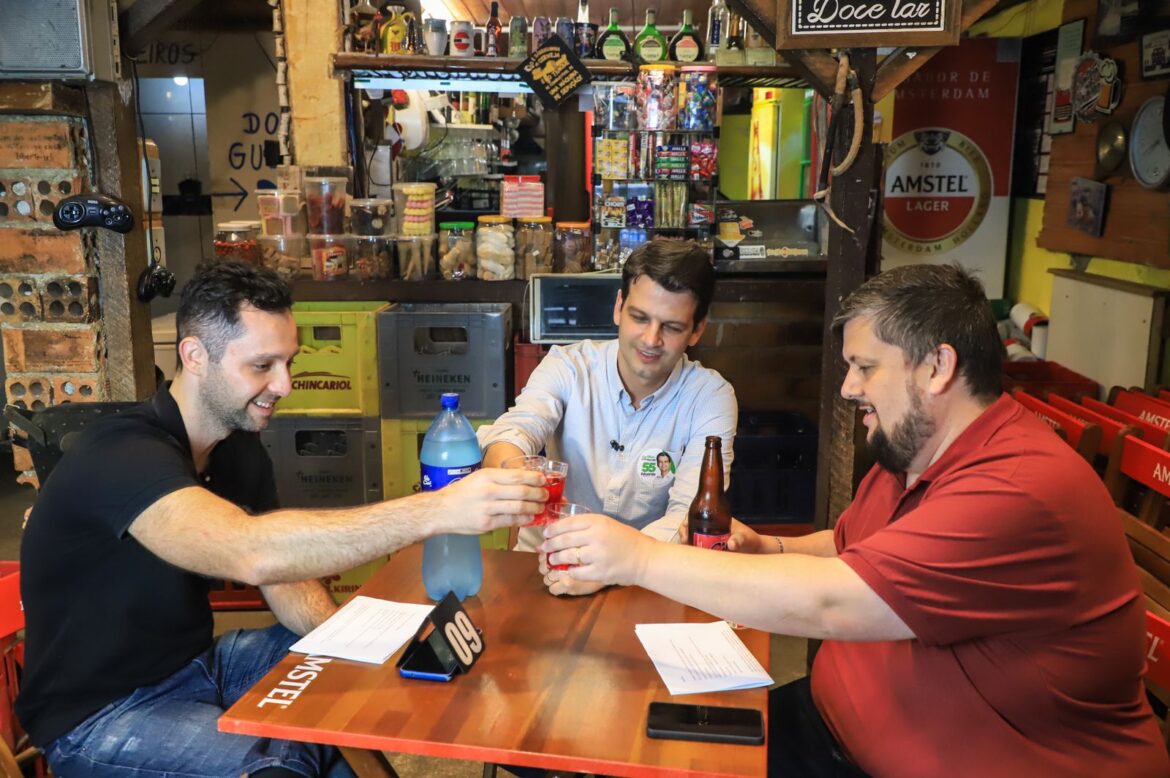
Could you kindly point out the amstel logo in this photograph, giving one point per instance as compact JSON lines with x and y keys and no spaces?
{"x":321,"y":382}
{"x":938,"y":189}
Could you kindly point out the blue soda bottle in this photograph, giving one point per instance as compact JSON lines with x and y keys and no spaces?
{"x":450,"y":451}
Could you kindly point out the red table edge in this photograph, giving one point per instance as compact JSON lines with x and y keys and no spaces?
{"x":473,"y":753}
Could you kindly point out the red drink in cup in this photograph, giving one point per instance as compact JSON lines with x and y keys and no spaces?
{"x":554,"y":481}
{"x":564,"y":510}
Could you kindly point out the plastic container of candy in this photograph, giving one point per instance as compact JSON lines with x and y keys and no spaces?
{"x":534,"y":246}
{"x":572,"y":247}
{"x":370,"y":216}
{"x":457,"y":250}
{"x":236,"y":241}
{"x":414,"y":209}
{"x":284,"y":254}
{"x":495,"y":248}
{"x":325,"y":199}
{"x":416,"y":256}
{"x":698,"y":98}
{"x":330,"y":256}
{"x":371,"y":258}
{"x":282,"y":212}
{"x":657,"y":97}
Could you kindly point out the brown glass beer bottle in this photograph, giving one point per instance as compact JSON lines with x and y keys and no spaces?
{"x":709,"y":517}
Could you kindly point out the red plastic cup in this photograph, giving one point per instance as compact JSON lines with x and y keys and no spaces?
{"x":564,"y":510}
{"x":555,"y":474}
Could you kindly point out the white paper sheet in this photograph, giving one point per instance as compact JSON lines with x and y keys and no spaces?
{"x":365,"y":629}
{"x":695,"y":658}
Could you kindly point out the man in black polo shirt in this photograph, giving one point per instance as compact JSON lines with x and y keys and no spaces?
{"x":122,"y":676}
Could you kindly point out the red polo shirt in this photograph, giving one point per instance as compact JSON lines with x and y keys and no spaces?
{"x":1008,"y":562}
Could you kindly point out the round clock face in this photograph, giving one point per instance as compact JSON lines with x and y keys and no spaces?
{"x":1149,"y":155}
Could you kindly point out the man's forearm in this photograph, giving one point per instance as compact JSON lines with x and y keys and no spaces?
{"x":816,"y":544}
{"x":300,"y":606}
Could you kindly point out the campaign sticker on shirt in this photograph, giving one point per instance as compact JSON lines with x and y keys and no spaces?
{"x":656,"y":464}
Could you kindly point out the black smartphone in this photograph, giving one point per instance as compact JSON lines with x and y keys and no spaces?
{"x":710,"y":723}
{"x":427,"y":658}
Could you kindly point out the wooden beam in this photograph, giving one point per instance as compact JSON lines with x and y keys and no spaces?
{"x":312,"y":35}
{"x":856,"y":198}
{"x":566,"y":189}
{"x":41,"y":97}
{"x":117,"y":170}
{"x":145,"y":20}
{"x":816,"y":66}
{"x":905,"y":62}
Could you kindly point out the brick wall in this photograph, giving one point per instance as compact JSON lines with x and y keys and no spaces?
{"x":50,"y":319}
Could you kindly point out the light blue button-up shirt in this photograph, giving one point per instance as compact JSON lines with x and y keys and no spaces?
{"x":576,"y":407}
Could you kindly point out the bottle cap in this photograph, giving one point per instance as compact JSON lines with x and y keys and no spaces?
{"x":450,"y":401}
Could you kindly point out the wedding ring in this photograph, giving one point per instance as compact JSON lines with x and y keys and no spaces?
{"x":578,"y":550}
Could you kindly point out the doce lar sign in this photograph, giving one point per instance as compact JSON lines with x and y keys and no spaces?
{"x":836,"y":23}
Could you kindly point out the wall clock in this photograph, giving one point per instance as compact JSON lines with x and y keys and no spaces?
{"x":1149,"y":154}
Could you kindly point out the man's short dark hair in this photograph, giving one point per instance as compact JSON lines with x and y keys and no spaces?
{"x":920,"y":307}
{"x":209,"y":305}
{"x":676,"y":266}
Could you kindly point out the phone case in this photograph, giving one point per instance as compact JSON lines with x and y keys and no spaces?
{"x":673,"y":721}
{"x":424,"y":675}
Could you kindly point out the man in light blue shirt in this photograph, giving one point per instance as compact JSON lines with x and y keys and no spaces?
{"x":613,"y":409}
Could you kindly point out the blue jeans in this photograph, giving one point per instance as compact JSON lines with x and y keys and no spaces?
{"x":169,"y":729}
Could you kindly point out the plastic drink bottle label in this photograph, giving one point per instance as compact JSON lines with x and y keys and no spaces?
{"x":714,"y":542}
{"x":434,"y":477}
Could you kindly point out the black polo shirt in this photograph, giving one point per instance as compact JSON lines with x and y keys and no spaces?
{"x":105,"y":616}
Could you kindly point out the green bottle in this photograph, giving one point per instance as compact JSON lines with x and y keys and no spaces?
{"x":650,"y":44}
{"x":613,"y":43}
{"x":686,"y":45}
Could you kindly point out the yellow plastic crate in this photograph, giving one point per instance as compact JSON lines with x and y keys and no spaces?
{"x":343,"y":585}
{"x":401,"y":444}
{"x":335,"y":372}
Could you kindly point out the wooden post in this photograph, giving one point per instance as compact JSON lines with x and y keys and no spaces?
{"x":122,"y":258}
{"x":312,"y":30}
{"x":567,"y":188}
{"x":855,"y":198}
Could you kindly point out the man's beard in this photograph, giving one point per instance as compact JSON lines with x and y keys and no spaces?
{"x":223,"y":409}
{"x":896,"y":451}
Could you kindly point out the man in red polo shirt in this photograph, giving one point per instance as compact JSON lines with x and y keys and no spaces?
{"x":980,"y":608}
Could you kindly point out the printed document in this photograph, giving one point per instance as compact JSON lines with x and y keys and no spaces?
{"x":365,"y":629}
{"x":695,"y":658}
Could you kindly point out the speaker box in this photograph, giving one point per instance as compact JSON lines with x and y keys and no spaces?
{"x":52,"y":39}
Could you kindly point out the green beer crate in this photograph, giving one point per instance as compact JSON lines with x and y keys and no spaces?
{"x":335,"y":372}
{"x":401,"y":444}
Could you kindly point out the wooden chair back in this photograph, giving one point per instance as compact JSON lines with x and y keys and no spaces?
{"x":1113,"y":433}
{"x":1084,"y":437}
{"x":1146,"y":408}
{"x":1148,"y":432}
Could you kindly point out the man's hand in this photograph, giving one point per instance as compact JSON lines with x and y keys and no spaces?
{"x":603,"y":550}
{"x":558,"y":583}
{"x":743,"y":538}
{"x":489,"y":499}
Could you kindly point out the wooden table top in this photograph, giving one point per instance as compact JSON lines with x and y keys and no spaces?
{"x":563,"y":684}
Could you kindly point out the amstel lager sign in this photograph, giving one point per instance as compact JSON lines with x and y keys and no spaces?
{"x":948,"y":168}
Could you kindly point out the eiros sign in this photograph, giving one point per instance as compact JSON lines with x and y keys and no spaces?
{"x":837,"y":23}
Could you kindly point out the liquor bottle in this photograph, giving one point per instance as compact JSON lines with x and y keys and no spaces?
{"x":583,"y":12}
{"x":650,"y":44}
{"x":709,"y":517}
{"x":450,"y":451}
{"x":733,"y":52}
{"x":493,"y":32}
{"x":717,"y":21}
{"x":542,"y":30}
{"x":686,"y":45}
{"x":518,"y":37}
{"x":613,"y":43}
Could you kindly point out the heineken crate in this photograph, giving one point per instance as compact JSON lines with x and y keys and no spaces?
{"x":401,"y":444}
{"x":427,"y":349}
{"x":325,"y":462}
{"x":335,"y":372}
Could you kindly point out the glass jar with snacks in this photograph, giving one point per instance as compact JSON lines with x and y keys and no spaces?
{"x":370,"y":216}
{"x":330,"y":256}
{"x":698,"y":103}
{"x":457,"y":250}
{"x":416,"y":256}
{"x":534,"y":246}
{"x":414,"y":209}
{"x":371,"y":257}
{"x":572,"y":247}
{"x":657,"y":97}
{"x":281,"y":212}
{"x":325,"y":199}
{"x":495,"y":248}
{"x":236,"y":241}
{"x":284,"y":254}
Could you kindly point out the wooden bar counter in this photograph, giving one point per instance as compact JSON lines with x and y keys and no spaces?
{"x":563,"y":684}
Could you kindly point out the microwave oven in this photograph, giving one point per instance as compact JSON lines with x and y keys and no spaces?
{"x":568,"y":307}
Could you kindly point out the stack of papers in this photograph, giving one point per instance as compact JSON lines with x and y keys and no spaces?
{"x":694,"y":658}
{"x":365,"y":629}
